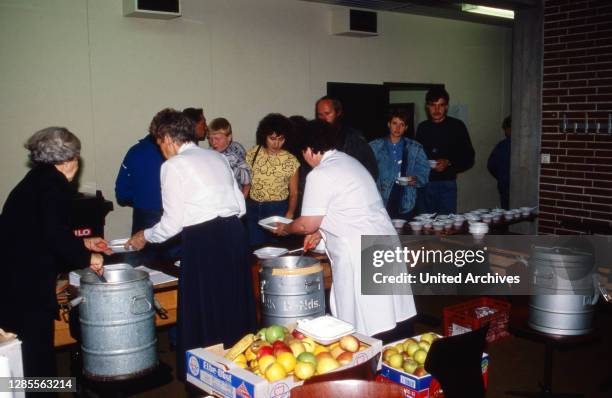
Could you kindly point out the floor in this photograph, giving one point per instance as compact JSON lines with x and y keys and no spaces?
{"x":515,"y":363}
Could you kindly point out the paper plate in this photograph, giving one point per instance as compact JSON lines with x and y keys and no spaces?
{"x":270,"y":222}
{"x":118,"y":246}
{"x":325,"y":329}
{"x":269,"y":252}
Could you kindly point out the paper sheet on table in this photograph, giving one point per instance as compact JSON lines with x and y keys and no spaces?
{"x":157,"y":277}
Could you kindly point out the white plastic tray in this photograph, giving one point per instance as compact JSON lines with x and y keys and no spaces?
{"x":118,"y":246}
{"x":325,"y":329}
{"x":270,"y":222}
{"x":269,"y":252}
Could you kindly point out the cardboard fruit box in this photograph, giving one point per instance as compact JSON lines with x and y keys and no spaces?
{"x":424,"y":383}
{"x":210,"y":371}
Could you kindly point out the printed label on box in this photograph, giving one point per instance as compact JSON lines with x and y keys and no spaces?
{"x":218,"y":379}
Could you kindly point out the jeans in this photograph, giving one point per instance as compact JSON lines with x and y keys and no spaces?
{"x":438,"y":197}
{"x":258,"y":211}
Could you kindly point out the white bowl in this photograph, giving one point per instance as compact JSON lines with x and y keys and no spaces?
{"x":398,"y":223}
{"x":433,"y":163}
{"x":438,"y":225}
{"x":403,"y":180}
{"x":416,"y":225}
{"x":448,"y":225}
{"x":509,"y":215}
{"x":487,"y":218}
{"x":427,"y":224}
{"x":479,"y":227}
{"x":496,"y":217}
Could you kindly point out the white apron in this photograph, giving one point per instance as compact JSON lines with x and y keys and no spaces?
{"x":370,"y":314}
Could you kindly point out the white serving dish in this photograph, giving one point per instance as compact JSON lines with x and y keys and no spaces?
{"x":270,"y":222}
{"x":433,"y":163}
{"x":416,"y":225}
{"x":269,"y":252}
{"x":325,"y":329}
{"x":118,"y":246}
{"x":403,"y":180}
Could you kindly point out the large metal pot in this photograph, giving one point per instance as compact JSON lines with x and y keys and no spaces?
{"x":565,"y":291}
{"x":117,"y":318}
{"x":291,"y":290}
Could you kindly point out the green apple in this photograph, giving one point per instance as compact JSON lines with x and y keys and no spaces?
{"x":396,"y":360}
{"x":274,"y":333}
{"x":420,"y":356}
{"x":307,"y":357}
{"x":410,"y":365}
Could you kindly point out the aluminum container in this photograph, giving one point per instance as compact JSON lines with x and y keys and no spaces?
{"x":117,"y":324}
{"x":565,"y":297}
{"x":291,"y":291}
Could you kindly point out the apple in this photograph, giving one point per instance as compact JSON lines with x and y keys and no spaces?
{"x":399,"y":347}
{"x":409,"y":340}
{"x":349,"y":343}
{"x":424,"y":346}
{"x":326,"y":365}
{"x":278,"y":344}
{"x":265,"y":350}
{"x":274,"y":332}
{"x":297,"y":335}
{"x":420,"y":372}
{"x":420,"y":356}
{"x":264,"y":362}
{"x":275,"y":372}
{"x":320,"y":348}
{"x":388,"y":352}
{"x":262,"y":334}
{"x":297,"y":348}
{"x":345,"y":358}
{"x":287,"y":361}
{"x":411,"y":348}
{"x":429,"y":337}
{"x":337,"y":351}
{"x":323,"y":354}
{"x":410,"y":365}
{"x":304,"y":370}
{"x":405,"y":356}
{"x":309,"y":344}
{"x":307,"y":357}
{"x":396,"y":361}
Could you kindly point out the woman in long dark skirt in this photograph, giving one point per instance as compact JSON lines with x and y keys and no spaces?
{"x":202,"y":200}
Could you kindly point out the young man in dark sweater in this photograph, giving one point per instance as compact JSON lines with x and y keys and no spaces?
{"x":448,"y":146}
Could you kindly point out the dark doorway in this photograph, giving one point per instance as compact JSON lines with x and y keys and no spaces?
{"x":366,"y":106}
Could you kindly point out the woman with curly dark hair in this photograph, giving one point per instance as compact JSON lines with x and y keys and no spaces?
{"x":274,"y":190}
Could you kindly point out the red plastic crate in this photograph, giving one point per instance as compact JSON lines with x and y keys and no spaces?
{"x":462,"y":317}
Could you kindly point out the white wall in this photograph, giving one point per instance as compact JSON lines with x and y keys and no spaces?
{"x":81,"y":64}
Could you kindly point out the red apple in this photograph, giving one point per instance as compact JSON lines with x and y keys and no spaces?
{"x":297,"y":335}
{"x":420,"y":372}
{"x":345,"y":358}
{"x":265,"y":350}
{"x":280,"y":350}
{"x":324,"y":354}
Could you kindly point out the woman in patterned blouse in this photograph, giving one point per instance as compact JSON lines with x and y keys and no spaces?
{"x":274,"y":188}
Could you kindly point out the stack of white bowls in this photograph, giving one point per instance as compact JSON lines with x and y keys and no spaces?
{"x":479,"y":229}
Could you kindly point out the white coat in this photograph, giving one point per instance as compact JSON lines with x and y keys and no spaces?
{"x":341,"y":190}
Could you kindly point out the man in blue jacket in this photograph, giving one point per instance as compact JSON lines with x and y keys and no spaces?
{"x":499,"y":164}
{"x":138,"y":185}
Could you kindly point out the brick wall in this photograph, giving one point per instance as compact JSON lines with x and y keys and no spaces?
{"x":576,"y":187}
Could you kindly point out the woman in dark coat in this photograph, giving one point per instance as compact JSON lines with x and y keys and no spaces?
{"x":39,"y":244}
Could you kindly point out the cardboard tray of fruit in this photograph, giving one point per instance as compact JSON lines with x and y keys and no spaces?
{"x":402,"y":361}
{"x":273,"y":362}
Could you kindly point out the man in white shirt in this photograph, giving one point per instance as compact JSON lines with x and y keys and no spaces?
{"x":202,"y":201}
{"x":341,"y":203}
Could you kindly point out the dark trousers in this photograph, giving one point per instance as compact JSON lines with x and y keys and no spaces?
{"x":258,"y":211}
{"x":438,"y":197}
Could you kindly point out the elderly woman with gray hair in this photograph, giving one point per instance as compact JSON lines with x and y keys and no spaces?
{"x":39,"y":244}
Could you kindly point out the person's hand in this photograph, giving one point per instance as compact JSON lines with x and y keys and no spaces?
{"x":98,"y":245}
{"x":411,"y":180}
{"x":281,"y":229}
{"x":289,"y":215}
{"x":442,"y":165}
{"x":312,"y":240}
{"x":96,"y":263}
{"x":137,"y":241}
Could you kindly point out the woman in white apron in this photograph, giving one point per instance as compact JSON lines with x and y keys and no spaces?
{"x":341,"y":203}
